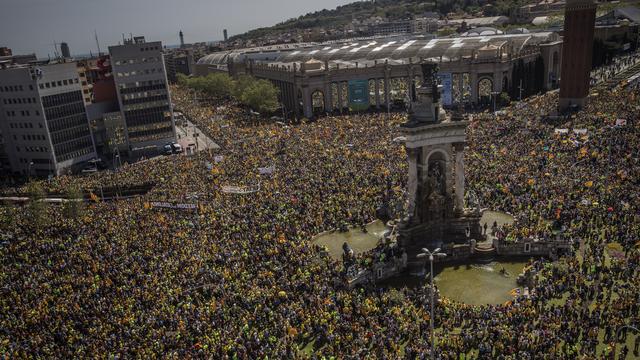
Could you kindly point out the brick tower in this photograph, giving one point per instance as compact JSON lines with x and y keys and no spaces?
{"x":577,"y":49}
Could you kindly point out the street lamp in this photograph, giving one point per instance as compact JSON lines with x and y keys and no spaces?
{"x":29,"y":169}
{"x":430,"y":255}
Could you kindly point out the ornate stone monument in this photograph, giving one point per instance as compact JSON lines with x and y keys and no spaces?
{"x":435,"y":143}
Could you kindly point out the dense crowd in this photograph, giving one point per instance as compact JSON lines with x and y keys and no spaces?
{"x":239,"y":278}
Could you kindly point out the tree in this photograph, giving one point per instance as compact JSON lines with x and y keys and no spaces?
{"x":182,"y":79}
{"x":241,"y":85}
{"x":261,"y":96}
{"x":218,"y":85}
{"x":37,"y":207}
{"x":73,"y":208}
{"x":504,"y":99}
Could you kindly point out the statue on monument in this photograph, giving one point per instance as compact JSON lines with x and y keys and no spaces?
{"x":433,"y":198}
{"x":424,"y":105}
{"x":430,"y":79}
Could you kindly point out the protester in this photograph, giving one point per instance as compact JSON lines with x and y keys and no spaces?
{"x":239,"y":278}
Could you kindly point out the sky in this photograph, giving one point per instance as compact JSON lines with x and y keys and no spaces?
{"x":28,"y":26}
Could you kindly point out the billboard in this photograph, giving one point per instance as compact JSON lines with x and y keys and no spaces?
{"x":359,"y":94}
{"x":447,"y":88}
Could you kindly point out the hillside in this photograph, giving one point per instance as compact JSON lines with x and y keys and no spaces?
{"x":343,"y":15}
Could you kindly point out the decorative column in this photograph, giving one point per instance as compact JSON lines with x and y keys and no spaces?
{"x":412,"y":181}
{"x":497,"y":81}
{"x":474,"y":86}
{"x":328,"y":101}
{"x":386,"y":91}
{"x":339,"y":99}
{"x":377,"y":90}
{"x":461,"y":87}
{"x":409,"y":81}
{"x":307,"y":103}
{"x":459,"y":175}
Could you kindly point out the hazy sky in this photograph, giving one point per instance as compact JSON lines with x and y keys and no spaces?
{"x":28,"y":26}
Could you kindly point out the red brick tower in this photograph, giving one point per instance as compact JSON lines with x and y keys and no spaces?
{"x":577,"y":48}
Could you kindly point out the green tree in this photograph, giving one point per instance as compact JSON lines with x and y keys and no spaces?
{"x":73,"y":208}
{"x":182,"y":79}
{"x":261,"y":96}
{"x":37,"y":208}
{"x":242,"y":83}
{"x":217,"y":84}
{"x":504,"y":99}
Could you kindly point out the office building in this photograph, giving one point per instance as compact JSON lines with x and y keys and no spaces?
{"x":10,"y":60}
{"x":225,"y":34}
{"x":43,"y":119}
{"x":143,"y":94}
{"x":577,"y":48}
{"x":64,"y":49}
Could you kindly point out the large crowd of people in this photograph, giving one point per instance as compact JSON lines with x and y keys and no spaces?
{"x":238,"y":278}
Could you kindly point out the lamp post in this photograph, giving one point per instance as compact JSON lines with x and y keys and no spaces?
{"x":29,"y":170}
{"x":430,"y":255}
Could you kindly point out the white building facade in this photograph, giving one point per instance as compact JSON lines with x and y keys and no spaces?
{"x":43,"y":119}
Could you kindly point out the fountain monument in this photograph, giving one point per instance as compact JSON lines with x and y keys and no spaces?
{"x":435,"y":143}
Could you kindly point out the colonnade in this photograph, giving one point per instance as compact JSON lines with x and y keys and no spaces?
{"x":387,"y":83}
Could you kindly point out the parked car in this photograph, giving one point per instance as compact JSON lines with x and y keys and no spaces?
{"x":167,"y":149}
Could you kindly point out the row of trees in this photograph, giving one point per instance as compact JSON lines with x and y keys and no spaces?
{"x":259,"y":95}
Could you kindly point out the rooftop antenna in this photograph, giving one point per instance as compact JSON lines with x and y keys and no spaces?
{"x":95,"y":32}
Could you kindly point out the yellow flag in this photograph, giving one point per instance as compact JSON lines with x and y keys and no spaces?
{"x":583,"y":152}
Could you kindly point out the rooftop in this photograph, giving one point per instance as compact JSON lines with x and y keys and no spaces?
{"x":394,"y":50}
